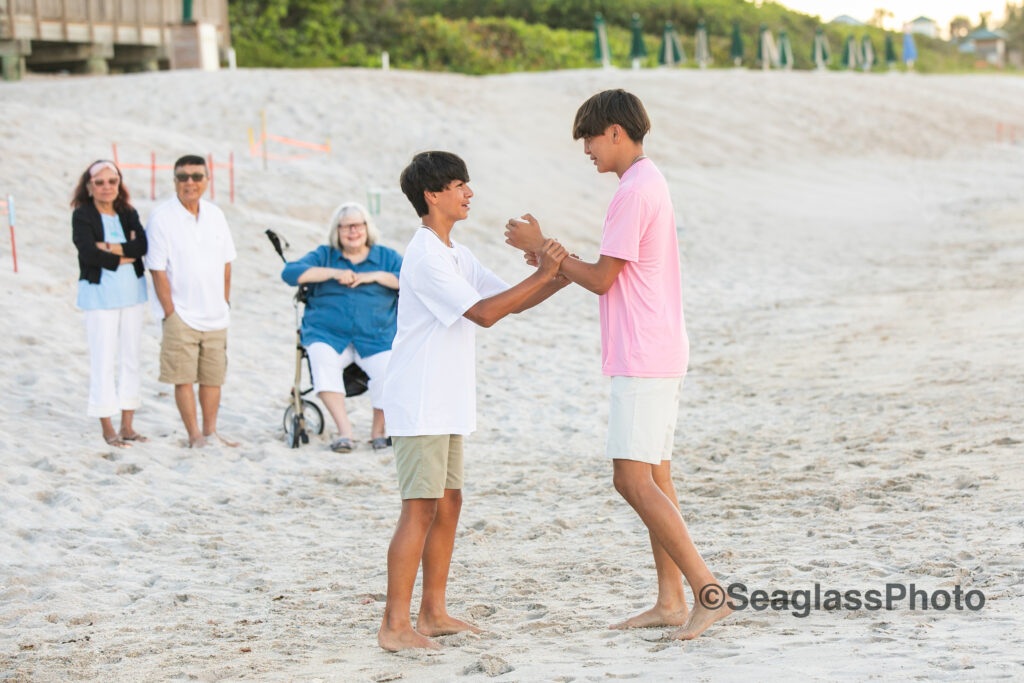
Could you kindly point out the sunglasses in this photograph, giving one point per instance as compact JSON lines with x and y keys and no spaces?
{"x":352,"y":226}
{"x":195,"y":177}
{"x":113,"y":182}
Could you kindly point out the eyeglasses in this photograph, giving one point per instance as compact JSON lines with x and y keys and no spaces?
{"x":352,"y":227}
{"x":113,"y":182}
{"x":195,"y":177}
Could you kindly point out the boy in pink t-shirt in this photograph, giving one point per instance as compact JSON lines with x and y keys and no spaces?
{"x":644,"y":349}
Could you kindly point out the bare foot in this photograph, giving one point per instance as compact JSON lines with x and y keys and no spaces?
{"x":116,"y":441}
{"x":656,"y":616}
{"x":197,"y":442}
{"x":700,"y":618}
{"x":229,"y":444}
{"x":444,"y":625}
{"x":404,"y":639}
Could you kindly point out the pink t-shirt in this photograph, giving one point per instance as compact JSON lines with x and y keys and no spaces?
{"x":642,"y":329}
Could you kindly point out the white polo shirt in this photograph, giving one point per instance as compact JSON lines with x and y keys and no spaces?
{"x":430,"y":384}
{"x":193,"y":252}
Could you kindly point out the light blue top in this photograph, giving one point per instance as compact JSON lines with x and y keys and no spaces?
{"x":116,"y":288}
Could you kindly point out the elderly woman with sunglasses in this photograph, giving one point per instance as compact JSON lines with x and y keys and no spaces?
{"x":351,"y":315}
{"x":112,"y":293}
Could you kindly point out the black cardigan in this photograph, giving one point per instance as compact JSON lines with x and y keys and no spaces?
{"x":87,"y":230}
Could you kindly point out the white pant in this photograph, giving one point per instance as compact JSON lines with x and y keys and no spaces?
{"x":328,"y":366}
{"x":110,"y":331}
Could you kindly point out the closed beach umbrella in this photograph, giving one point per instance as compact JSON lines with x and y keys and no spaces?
{"x":867,"y":53}
{"x":736,"y":50}
{"x":909,"y":49}
{"x":767,"y":54}
{"x":851,"y":53}
{"x":785,"y":51}
{"x":671,"y":51}
{"x":701,"y":52}
{"x":637,"y":49}
{"x":819,"y":51}
{"x":890,"y":51}
{"x":601,"y":52}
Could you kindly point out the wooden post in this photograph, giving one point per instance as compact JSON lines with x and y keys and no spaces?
{"x":163,"y":23}
{"x":263,"y":135}
{"x":114,"y":146}
{"x":138,"y":21}
{"x":209,"y":161}
{"x":91,"y":18}
{"x":117,"y":17}
{"x":63,"y":18}
{"x":152,"y":175}
{"x":10,"y":222}
{"x":39,"y":18}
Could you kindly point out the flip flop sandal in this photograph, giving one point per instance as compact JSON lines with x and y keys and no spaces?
{"x":117,"y":442}
{"x":381,"y":442}
{"x":134,"y":437}
{"x":342,"y":444}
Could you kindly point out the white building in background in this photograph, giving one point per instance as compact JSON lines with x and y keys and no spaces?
{"x":924,"y":26}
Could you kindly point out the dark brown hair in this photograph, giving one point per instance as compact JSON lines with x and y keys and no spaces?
{"x":81,"y":196}
{"x":430,"y":172}
{"x":607,"y":108}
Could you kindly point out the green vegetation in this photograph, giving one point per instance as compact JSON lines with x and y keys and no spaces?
{"x":496,"y":36}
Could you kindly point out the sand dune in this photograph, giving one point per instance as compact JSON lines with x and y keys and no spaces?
{"x":852,"y":249}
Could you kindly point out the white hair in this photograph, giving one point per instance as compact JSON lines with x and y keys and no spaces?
{"x":351,"y":209}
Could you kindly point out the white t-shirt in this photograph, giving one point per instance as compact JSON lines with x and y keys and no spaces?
{"x":430,"y":384}
{"x":193,"y":252}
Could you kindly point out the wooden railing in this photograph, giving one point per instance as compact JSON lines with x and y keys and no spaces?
{"x":140,"y":22}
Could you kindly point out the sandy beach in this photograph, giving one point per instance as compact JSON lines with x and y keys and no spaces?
{"x":852,"y":249}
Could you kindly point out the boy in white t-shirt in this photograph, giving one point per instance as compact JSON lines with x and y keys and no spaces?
{"x":429,"y":391}
{"x":644,"y":349}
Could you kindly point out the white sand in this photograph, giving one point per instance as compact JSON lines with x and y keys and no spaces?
{"x":853,"y":256}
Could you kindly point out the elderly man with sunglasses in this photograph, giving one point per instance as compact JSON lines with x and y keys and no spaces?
{"x":189,"y":258}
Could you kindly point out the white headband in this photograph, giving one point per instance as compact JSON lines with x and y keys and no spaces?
{"x":99,"y":166}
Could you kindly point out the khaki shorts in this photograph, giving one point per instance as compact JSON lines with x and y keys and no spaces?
{"x":188,"y":356}
{"x":642,"y":418}
{"x":427,"y":465}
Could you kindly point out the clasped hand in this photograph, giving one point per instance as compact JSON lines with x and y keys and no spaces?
{"x":351,"y":278}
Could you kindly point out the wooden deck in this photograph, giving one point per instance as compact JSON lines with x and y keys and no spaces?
{"x":56,"y":32}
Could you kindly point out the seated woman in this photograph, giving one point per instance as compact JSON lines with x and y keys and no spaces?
{"x":351,"y":315}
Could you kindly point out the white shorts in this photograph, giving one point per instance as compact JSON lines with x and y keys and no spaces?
{"x":328,"y":366}
{"x":642,"y":418}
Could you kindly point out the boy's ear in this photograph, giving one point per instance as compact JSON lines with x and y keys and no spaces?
{"x":430,"y":197}
{"x":616,"y":132}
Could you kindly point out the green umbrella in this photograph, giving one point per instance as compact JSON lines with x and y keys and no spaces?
{"x":601,"y":52}
{"x":819,"y":51}
{"x":785,"y":51}
{"x":637,"y":49}
{"x":890,"y":51}
{"x":736,"y":50}
{"x":851,"y":53}
{"x":701,"y":53}
{"x":671,"y":51}
{"x":867,"y":52}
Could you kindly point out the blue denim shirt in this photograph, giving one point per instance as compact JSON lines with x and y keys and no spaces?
{"x":365,"y":316}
